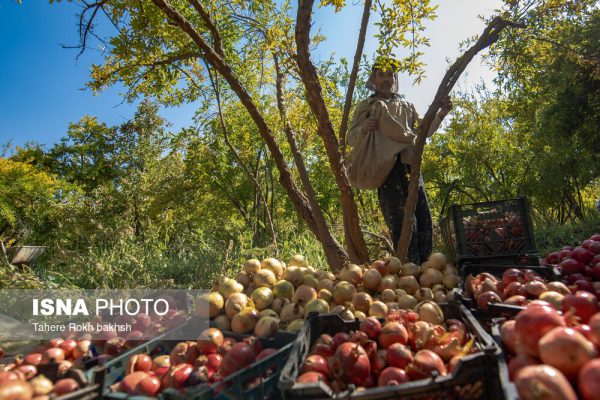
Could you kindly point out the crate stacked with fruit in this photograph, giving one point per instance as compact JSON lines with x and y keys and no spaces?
{"x":55,"y":370}
{"x":496,"y":231}
{"x":438,"y":351}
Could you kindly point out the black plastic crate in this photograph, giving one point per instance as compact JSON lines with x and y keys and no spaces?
{"x":496,"y":230}
{"x":509,"y":390}
{"x":231,"y":387}
{"x":475,"y":376}
{"x":235,"y":386}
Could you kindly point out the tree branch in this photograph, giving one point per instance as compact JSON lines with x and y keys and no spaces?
{"x":213,"y":58}
{"x":489,"y":36}
{"x":236,"y":154}
{"x":357,"y":248}
{"x":218,"y":41}
{"x":336,"y":253}
{"x":355,"y":66}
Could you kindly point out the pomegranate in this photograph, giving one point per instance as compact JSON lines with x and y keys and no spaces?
{"x":240,"y":356}
{"x":513,"y":289}
{"x":53,"y":355}
{"x":316,"y":363}
{"x":324,"y":346}
{"x":582,"y":255}
{"x":64,"y":386}
{"x":424,"y":364}
{"x":543,"y":382}
{"x":16,"y":390}
{"x":129,"y":383}
{"x":33,"y":359}
{"x":534,"y":322}
{"x":583,"y":304}
{"x":351,"y":364}
{"x":161,"y":361}
{"x":392,"y":332}
{"x":518,"y":362}
{"x":82,"y":349}
{"x":139,"y":362}
{"x":28,"y":370}
{"x":535,"y":288}
{"x":566,"y":350}
{"x":392,"y":376}
{"x":148,"y":386}
{"x":399,"y":355}
{"x":378,"y":362}
{"x":212,"y":363}
{"x":594,"y":324}
{"x":487,"y":297}
{"x":588,"y":380}
{"x":210,"y":340}
{"x":372,"y":279}
{"x":179,"y":353}
{"x":312,"y":377}
{"x":68,"y":346}
{"x":339,"y":338}
{"x":516,"y":300}
{"x":177,"y":375}
{"x":508,"y":335}
{"x":571,"y":266}
{"x":371,"y":326}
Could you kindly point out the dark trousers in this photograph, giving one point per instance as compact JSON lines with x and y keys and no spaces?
{"x":392,"y":201}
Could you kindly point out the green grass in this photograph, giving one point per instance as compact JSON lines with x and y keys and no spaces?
{"x":550,"y":238}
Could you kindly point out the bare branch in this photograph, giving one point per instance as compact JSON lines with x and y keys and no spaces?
{"x":236,"y":154}
{"x":355,"y":66}
{"x":213,"y":58}
{"x":489,"y":36}
{"x":324,"y":232}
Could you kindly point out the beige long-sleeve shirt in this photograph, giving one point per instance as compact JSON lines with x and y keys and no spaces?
{"x":402,"y":111}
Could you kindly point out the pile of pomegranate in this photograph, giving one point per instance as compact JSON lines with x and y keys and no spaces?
{"x":407,"y":346}
{"x":554,"y":354}
{"x":579,"y":266}
{"x":517,"y":287}
{"x":271,"y":295}
{"x":208,"y":360}
{"x":52,"y":370}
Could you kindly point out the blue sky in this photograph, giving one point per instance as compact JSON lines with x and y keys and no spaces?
{"x":42,"y":84}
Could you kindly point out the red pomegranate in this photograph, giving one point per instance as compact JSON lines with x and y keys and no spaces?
{"x":392,"y":332}
{"x":351,"y":364}
{"x":425,"y":363}
{"x":543,"y":382}
{"x":566,"y":350}
{"x":588,"y":380}
{"x":392,"y":376}
{"x":240,"y":356}
{"x":399,"y":355}
{"x":534,"y":322}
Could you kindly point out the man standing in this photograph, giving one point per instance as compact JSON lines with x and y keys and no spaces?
{"x":384,"y":113}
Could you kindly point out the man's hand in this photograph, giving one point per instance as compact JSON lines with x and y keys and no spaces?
{"x":445,"y":105}
{"x":370,"y":124}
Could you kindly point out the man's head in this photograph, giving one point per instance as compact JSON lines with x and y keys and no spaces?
{"x":384,"y":79}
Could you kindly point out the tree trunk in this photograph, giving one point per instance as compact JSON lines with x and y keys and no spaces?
{"x":355,"y":242}
{"x":334,"y":252}
{"x":489,"y":36}
{"x":218,"y":63}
